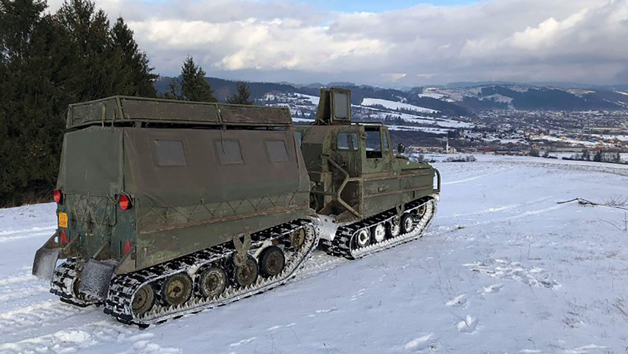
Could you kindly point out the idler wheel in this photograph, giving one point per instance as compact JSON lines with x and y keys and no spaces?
{"x":297,"y":238}
{"x":213,"y":282}
{"x":177,"y":289}
{"x":393,"y":227}
{"x":421,"y":211}
{"x":379,"y":232}
{"x":247,"y":274}
{"x":407,"y":223}
{"x":362,"y":238}
{"x":143,"y":300}
{"x":272,"y":261}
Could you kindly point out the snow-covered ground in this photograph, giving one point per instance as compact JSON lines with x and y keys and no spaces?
{"x":394,"y":105}
{"x":503,"y":269}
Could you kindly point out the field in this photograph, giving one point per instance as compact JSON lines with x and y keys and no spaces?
{"x":504,"y":268}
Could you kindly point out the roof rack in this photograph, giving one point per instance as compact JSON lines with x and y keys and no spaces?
{"x":122,"y":109}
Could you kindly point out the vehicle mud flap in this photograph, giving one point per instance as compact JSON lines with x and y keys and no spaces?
{"x":327,"y":227}
{"x":45,"y":262}
{"x":96,"y":278}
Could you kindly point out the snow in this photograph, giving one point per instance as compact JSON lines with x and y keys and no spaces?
{"x":395,"y":105}
{"x":313,"y":99}
{"x":499,"y":98}
{"x":410,"y":128}
{"x":431,"y":95}
{"x":503,"y":269}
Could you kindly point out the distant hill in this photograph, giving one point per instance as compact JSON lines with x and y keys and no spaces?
{"x":526,"y":97}
{"x":458,"y":99}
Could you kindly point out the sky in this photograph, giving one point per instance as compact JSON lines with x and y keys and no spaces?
{"x":394,"y":43}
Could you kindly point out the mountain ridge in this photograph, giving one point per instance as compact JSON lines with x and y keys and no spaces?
{"x":453,"y":99}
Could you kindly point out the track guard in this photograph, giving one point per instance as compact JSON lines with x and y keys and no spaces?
{"x":96,"y":277}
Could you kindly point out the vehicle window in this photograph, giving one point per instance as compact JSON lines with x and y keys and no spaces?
{"x":386,"y":143}
{"x":347,"y":141}
{"x":341,"y":103}
{"x":229,"y":152}
{"x":170,"y":153}
{"x":299,"y":136}
{"x":277,"y":150}
{"x":373,"y":145}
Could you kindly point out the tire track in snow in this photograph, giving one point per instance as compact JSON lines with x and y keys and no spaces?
{"x":32,"y":229}
{"x":16,"y":237}
{"x":73,"y":339}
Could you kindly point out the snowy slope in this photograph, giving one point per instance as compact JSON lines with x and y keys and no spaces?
{"x":504,"y":269}
{"x":395,"y":105}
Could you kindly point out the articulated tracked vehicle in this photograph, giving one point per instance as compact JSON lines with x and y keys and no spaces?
{"x":378,"y":199}
{"x":168,"y":207}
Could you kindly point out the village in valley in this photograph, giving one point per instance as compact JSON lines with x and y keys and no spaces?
{"x":595,"y":135}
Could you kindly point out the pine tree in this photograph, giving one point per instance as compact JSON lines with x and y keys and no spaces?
{"x":89,"y":68}
{"x":135,"y":66}
{"x":29,"y":114}
{"x":243,"y":95}
{"x":46,"y":62}
{"x":194,"y":87}
{"x":174,"y":91}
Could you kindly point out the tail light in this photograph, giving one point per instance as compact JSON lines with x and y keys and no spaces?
{"x":57,"y":196}
{"x":125,"y":202}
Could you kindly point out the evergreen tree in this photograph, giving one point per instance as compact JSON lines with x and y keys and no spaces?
{"x":174,"y":91}
{"x":598,"y":156}
{"x":29,"y":112}
{"x":194,"y":87}
{"x":243,"y":95}
{"x":46,"y":62}
{"x":135,"y":67}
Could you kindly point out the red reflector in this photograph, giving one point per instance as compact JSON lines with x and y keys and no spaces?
{"x":125,"y":202}
{"x":57,"y":196}
{"x":127,"y":248}
{"x":64,"y":237}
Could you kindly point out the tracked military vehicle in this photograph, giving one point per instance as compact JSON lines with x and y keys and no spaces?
{"x":167,"y":207}
{"x":170,"y":207}
{"x":378,"y":198}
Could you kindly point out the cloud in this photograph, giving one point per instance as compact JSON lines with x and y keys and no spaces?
{"x":518,"y":40}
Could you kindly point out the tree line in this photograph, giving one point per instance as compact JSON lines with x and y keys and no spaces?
{"x":49,"y":60}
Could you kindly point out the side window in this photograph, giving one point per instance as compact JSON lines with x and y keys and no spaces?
{"x":385,"y":140}
{"x":170,"y":153}
{"x":299,"y":136}
{"x":373,"y":145}
{"x":277,"y":150}
{"x":347,"y":141}
{"x":229,"y":152}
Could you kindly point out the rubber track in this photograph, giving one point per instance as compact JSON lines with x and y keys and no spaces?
{"x":123,"y":287}
{"x":343,"y":244}
{"x":62,"y":284}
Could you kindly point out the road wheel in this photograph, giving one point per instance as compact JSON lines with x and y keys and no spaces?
{"x":297,"y":239}
{"x":247,"y":274}
{"x":362,"y":238}
{"x":407,"y":223}
{"x":177,"y":289}
{"x":143,"y":300}
{"x":272,"y":261}
{"x":213,"y":282}
{"x":393,"y":227}
{"x":379,"y":232}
